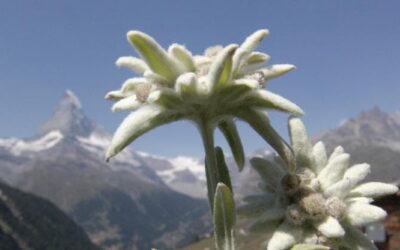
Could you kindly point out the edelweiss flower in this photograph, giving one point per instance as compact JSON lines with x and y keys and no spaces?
{"x":209,"y":90}
{"x":322,"y":202}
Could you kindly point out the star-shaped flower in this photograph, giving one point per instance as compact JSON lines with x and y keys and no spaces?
{"x":210,"y":90}
{"x":322,"y":202}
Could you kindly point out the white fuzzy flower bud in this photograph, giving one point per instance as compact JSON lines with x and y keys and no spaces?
{"x":295,"y":214}
{"x":335,"y":207}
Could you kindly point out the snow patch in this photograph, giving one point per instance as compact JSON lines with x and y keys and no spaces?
{"x":97,"y":143}
{"x":178,"y":164}
{"x":17,"y":147}
{"x":188,"y":163}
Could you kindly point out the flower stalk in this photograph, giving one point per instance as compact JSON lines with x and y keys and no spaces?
{"x":207,"y":135}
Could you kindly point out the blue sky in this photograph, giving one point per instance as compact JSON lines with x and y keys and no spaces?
{"x":347,"y":55}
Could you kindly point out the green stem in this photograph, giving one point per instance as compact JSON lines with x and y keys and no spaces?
{"x":207,"y":135}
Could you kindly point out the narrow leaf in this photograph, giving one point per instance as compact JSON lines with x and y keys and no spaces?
{"x":229,"y":130}
{"x":300,"y":143}
{"x":220,"y":174}
{"x":357,"y":173}
{"x":221,"y":67}
{"x":166,"y":97}
{"x":330,"y":227}
{"x":266,"y":99}
{"x":133,"y":63}
{"x":336,"y":152}
{"x":374,"y":189}
{"x":360,"y":213}
{"x":285,"y":236}
{"x":156,"y":57}
{"x":276,"y":70}
{"x":224,"y":218}
{"x":136,"y":124}
{"x":115,"y":95}
{"x":127,"y":103}
{"x":320,"y":157}
{"x":223,"y":171}
{"x":334,"y":171}
{"x":186,"y":85}
{"x":254,"y":39}
{"x":132,"y":83}
{"x":181,"y":54}
{"x":256,"y":58}
{"x":259,"y":121}
{"x":246,"y":48}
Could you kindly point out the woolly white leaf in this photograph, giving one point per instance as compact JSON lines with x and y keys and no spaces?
{"x":136,"y":124}
{"x":132,"y":83}
{"x":257,"y":57}
{"x":186,"y":85}
{"x":359,"y":199}
{"x":115,"y":95}
{"x":374,"y":189}
{"x":330,"y":227}
{"x":300,"y":143}
{"x":248,"y":82}
{"x":133,"y":63}
{"x":340,"y":189}
{"x":158,"y":60}
{"x":167,"y":98}
{"x":127,"y":103}
{"x":221,"y":67}
{"x":357,"y":173}
{"x":201,"y":60}
{"x":180,"y":53}
{"x":254,"y":39}
{"x":334,"y":171}
{"x":359,"y":214}
{"x":265,"y":99}
{"x":276,"y":70}
{"x":285,"y":236}
{"x":336,"y":152}
{"x":246,"y":47}
{"x":156,"y":79}
{"x":320,"y":157}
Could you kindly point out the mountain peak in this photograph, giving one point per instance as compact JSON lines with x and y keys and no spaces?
{"x":68,"y":118}
{"x":370,"y":127}
{"x":72,"y":99}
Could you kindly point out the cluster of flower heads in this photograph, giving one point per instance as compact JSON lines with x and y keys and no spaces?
{"x":321,"y":202}
{"x":224,"y":83}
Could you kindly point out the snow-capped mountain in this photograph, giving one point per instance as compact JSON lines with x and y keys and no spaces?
{"x":373,"y":137}
{"x":373,"y":127}
{"x":182,"y":173}
{"x":124,"y":204}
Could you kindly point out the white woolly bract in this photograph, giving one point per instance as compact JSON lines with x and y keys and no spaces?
{"x":330,"y":227}
{"x":359,"y":214}
{"x":374,"y":189}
